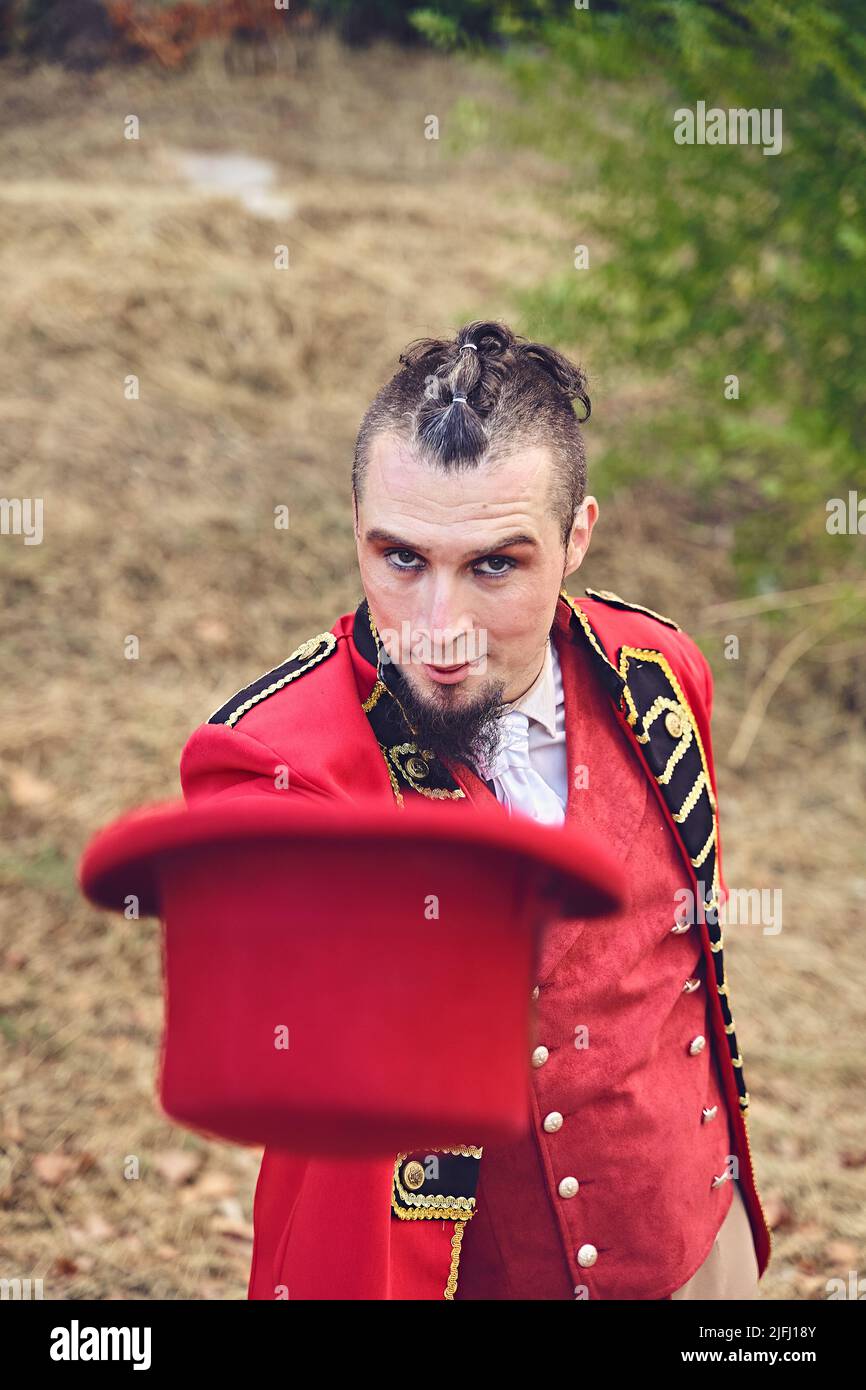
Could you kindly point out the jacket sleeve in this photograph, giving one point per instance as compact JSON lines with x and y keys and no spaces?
{"x":218,"y":762}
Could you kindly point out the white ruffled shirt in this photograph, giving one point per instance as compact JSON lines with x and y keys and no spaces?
{"x":530,"y":771}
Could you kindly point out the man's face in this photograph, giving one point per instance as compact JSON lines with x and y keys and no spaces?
{"x":462,"y":572}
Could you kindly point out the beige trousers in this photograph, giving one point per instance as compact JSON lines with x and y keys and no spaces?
{"x":731,"y":1269}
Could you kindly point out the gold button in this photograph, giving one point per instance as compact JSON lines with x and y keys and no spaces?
{"x":413,"y":1175}
{"x":674,"y":723}
{"x":417,"y":767}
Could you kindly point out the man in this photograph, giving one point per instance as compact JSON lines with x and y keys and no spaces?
{"x":467,"y":673}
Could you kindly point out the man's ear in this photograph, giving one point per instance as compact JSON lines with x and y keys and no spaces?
{"x":585,"y":517}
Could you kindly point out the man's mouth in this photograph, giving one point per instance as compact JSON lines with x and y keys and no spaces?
{"x":447,"y":675}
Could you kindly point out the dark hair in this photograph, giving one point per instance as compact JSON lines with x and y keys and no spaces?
{"x":517,"y":393}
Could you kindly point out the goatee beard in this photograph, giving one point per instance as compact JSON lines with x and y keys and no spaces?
{"x":452,"y":728}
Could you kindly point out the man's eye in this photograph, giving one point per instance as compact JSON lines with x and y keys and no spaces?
{"x":403,"y":555}
{"x":504,"y":560}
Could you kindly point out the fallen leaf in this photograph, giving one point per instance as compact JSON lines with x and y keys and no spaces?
{"x":176,"y":1165}
{"x":213,"y":631}
{"x":25,"y":789}
{"x":54,"y":1169}
{"x":234,"y":1230}
{"x":843,"y":1253}
{"x":214,"y":1184}
{"x":97,"y":1228}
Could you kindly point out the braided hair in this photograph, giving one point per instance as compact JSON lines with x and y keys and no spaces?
{"x":485,"y":393}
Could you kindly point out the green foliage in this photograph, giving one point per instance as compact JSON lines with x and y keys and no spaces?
{"x":708,"y":261}
{"x":449,"y":24}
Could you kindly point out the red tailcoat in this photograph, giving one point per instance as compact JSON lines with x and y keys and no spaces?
{"x":637,"y":1095}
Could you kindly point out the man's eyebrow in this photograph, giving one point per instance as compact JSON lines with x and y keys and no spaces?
{"x":517,"y":538}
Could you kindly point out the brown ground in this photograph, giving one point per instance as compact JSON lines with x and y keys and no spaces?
{"x":158,"y":517}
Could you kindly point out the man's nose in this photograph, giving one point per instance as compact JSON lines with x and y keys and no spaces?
{"x":446,"y":630}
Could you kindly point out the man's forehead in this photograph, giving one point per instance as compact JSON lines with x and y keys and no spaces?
{"x":399,"y":479}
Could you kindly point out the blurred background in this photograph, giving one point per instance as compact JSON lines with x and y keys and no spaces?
{"x":169,"y":376}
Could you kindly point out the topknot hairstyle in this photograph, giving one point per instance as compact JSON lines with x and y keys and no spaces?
{"x":482,"y":395}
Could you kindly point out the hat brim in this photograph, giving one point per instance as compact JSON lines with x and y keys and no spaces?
{"x":122,"y":859}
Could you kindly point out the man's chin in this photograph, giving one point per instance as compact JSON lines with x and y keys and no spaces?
{"x":457,"y":722}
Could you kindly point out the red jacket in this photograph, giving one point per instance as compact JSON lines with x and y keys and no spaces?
{"x":610,"y":1194}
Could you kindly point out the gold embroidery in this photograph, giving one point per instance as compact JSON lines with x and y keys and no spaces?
{"x":433,"y":1205}
{"x":410,"y":753}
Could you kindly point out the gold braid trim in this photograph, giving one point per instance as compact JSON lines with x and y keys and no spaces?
{"x":456,"y":1243}
{"x":699,"y":859}
{"x":591,"y":637}
{"x":306,"y":649}
{"x":398,"y":795}
{"x":372,"y":700}
{"x":607,"y":596}
{"x":691,"y":801}
{"x":684,"y":743}
{"x":647,"y":654}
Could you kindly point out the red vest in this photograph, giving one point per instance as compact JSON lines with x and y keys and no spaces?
{"x":610,"y":1194}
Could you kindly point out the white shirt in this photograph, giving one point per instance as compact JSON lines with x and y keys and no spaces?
{"x":530,"y":772}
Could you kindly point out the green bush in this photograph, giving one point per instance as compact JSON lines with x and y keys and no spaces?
{"x":708,"y":261}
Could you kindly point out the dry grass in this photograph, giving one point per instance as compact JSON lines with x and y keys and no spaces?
{"x":158,"y":523}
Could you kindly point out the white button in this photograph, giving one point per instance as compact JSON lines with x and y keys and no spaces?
{"x":553,"y":1122}
{"x":679,"y":927}
{"x":709,"y":1112}
{"x":697,"y":1045}
{"x":587,"y":1255}
{"x":540,"y":1056}
{"x":691,"y":985}
{"x":568,"y":1187}
{"x":535,"y":992}
{"x":723,"y":1177}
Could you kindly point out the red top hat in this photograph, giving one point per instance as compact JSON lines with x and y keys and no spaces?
{"x":343,"y":979}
